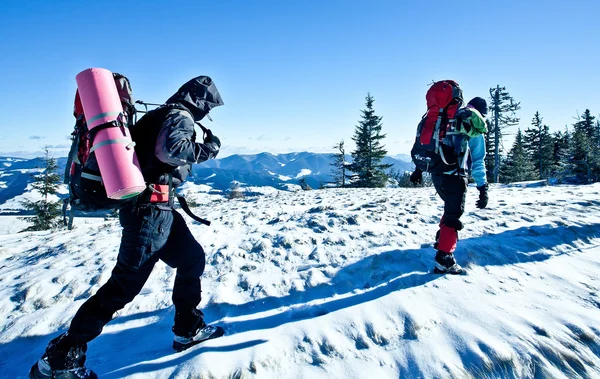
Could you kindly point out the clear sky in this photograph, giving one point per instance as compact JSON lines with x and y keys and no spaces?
{"x":294,"y":74}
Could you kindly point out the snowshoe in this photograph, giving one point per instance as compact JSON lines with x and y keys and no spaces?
{"x":62,"y":359}
{"x":190,"y":329}
{"x":42,"y":370}
{"x":208,"y":332}
{"x":446,"y":264}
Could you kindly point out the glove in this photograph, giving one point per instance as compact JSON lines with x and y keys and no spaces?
{"x":416,"y":177}
{"x":483,"y":197}
{"x":211,"y":138}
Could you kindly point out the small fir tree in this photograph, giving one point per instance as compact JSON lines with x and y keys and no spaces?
{"x":339,"y":165}
{"x":366,"y":159}
{"x":46,"y":212}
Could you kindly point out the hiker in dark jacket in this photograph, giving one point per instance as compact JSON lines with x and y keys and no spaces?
{"x":166,"y":146}
{"x":452,"y":186}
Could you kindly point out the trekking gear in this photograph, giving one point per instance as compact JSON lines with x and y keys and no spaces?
{"x":164,"y":193}
{"x":112,"y":144}
{"x":483,"y":197}
{"x":206,"y":333}
{"x":432,"y":152}
{"x":447,"y":237}
{"x":446,"y":264}
{"x":190,"y":329}
{"x":82,"y":173}
{"x":62,"y":360}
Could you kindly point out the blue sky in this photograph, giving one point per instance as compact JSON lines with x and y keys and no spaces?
{"x":294,"y":74}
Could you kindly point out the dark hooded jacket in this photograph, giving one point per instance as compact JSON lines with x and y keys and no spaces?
{"x":166,"y":137}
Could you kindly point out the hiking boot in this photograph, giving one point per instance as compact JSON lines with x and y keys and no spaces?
{"x":190,"y":329}
{"x":62,"y":360}
{"x":446,"y":264}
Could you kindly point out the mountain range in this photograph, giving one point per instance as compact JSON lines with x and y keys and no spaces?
{"x":257,"y":170}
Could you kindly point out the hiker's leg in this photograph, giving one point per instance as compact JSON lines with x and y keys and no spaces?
{"x":452,"y":189}
{"x":142,"y":234}
{"x":184,"y":253}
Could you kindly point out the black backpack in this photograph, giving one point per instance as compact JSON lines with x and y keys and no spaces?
{"x":82,"y":175}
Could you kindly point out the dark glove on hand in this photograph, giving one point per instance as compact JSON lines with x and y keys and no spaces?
{"x":416,"y":177}
{"x":483,"y":196}
{"x":211,"y":138}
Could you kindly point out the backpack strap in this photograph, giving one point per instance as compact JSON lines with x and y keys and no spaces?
{"x":186,"y":209}
{"x":183,"y":203}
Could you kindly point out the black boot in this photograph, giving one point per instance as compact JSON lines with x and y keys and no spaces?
{"x":190,"y":329}
{"x":446,"y":264}
{"x":63,"y":359}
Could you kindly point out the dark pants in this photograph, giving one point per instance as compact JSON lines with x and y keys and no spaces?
{"x":149,"y":234}
{"x":453,"y":191}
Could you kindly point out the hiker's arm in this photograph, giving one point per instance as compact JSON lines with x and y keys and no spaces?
{"x":176,"y":143}
{"x":477,"y":147}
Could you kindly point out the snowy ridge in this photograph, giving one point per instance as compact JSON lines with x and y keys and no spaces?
{"x":335,"y":284}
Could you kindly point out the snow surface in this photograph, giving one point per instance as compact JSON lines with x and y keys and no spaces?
{"x":335,"y":284}
{"x":284,"y":178}
{"x":31,"y":194}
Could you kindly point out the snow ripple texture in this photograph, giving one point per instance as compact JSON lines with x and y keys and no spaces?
{"x":334,"y":283}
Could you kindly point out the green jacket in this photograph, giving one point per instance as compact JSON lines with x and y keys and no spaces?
{"x":471,"y":121}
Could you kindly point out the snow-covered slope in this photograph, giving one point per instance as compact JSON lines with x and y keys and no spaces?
{"x":335,"y":284}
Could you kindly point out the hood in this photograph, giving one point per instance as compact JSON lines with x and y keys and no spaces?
{"x":199,"y":95}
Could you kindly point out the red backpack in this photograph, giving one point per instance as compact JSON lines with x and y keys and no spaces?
{"x":429,"y":153}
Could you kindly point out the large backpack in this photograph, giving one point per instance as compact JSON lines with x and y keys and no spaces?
{"x":82,"y":175}
{"x":433,"y":151}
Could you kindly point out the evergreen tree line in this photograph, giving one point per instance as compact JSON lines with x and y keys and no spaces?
{"x":572,"y":154}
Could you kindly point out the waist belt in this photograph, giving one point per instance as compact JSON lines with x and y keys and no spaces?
{"x":159,"y":193}
{"x":162,"y":193}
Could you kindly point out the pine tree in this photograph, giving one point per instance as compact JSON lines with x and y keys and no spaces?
{"x":560,"y":152}
{"x":518,"y":167}
{"x":366,"y":159}
{"x":584,"y":153}
{"x":538,"y":145}
{"x":489,"y":151}
{"x":339,"y":165}
{"x":46,"y":212}
{"x":503,"y":108}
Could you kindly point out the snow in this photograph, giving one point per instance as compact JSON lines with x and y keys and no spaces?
{"x":30,"y":194}
{"x":303,"y":172}
{"x":284,"y":178}
{"x":210,"y":176}
{"x":263,"y":190}
{"x":197,"y":193}
{"x":334,"y":283}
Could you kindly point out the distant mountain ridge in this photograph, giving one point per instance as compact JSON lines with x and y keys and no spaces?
{"x":276,"y":170}
{"x":253,"y":170}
